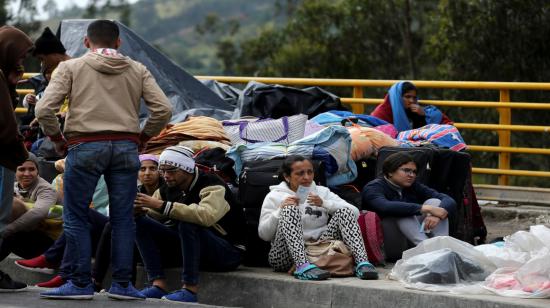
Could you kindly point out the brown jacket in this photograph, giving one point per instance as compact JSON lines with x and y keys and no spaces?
{"x":104,"y":98}
{"x":14,"y":44}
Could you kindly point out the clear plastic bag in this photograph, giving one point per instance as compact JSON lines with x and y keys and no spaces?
{"x":466,"y":250}
{"x":503,"y":257}
{"x":542,"y":233}
{"x":527,"y":242}
{"x":523,"y":264}
{"x":532,"y":280}
{"x":518,"y":248}
{"x":527,"y":256}
{"x":443,"y":264}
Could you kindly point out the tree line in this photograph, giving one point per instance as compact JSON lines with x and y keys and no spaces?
{"x":475,"y":40}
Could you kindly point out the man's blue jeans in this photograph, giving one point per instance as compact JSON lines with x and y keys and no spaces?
{"x":118,"y":161}
{"x":57,"y":254}
{"x":200,"y":249}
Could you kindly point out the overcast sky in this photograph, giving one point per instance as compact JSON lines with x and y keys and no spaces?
{"x":63,"y":4}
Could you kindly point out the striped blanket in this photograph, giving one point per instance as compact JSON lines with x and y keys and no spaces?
{"x":441,"y":135}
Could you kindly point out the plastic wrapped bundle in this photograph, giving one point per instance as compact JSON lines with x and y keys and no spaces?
{"x":442,"y":266}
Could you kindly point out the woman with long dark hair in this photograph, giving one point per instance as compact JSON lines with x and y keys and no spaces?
{"x":408,"y":209}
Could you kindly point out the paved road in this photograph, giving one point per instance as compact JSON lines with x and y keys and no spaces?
{"x":31,"y":298}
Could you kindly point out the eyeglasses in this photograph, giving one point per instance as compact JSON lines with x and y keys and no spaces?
{"x":413,"y":97}
{"x":409,"y":171}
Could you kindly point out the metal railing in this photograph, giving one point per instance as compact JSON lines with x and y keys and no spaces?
{"x":503,"y":106}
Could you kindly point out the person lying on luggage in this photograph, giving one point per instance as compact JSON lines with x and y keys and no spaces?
{"x":30,"y":233}
{"x":401,"y":108}
{"x":408,"y":209}
{"x":194,"y":213}
{"x":297,"y":210}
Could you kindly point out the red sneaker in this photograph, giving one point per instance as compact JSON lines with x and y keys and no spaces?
{"x":55,"y":282}
{"x":38,"y":264}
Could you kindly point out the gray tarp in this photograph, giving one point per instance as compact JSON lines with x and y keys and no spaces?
{"x":228,"y":93}
{"x":187,"y":95}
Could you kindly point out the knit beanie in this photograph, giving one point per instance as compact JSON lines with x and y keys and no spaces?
{"x":178,"y":156}
{"x":150,"y":157}
{"x":47,"y":44}
{"x":33,"y":158}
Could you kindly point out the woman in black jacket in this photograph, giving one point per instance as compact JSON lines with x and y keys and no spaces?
{"x":409,"y":210}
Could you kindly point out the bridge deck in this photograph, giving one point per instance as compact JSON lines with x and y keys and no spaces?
{"x":260,"y":287}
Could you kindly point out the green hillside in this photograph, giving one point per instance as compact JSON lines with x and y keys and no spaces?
{"x":170,"y":25}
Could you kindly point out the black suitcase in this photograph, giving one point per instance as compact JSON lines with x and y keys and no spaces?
{"x":257,"y":176}
{"x":350,"y":193}
{"x":451,"y":174}
{"x":366,"y":172}
{"x":257,"y":250}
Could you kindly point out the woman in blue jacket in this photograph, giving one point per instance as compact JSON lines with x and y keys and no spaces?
{"x":409,"y":210}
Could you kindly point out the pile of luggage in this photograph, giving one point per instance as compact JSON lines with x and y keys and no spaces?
{"x":347,"y":150}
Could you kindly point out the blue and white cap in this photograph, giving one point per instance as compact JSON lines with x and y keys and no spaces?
{"x":179,"y":157}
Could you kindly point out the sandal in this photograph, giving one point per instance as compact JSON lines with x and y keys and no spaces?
{"x":310,"y":271}
{"x":366,"y":271}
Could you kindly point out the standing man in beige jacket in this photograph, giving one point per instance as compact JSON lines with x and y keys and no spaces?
{"x":102,"y":135}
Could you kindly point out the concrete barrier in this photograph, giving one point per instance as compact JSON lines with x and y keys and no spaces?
{"x":260,"y":287}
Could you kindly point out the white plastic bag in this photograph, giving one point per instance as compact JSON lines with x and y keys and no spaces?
{"x":526,"y":242}
{"x":524,"y":264}
{"x":532,"y":280}
{"x":504,"y":257}
{"x":542,"y":233}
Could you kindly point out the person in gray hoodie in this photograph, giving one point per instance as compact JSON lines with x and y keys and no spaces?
{"x":103,"y":135}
